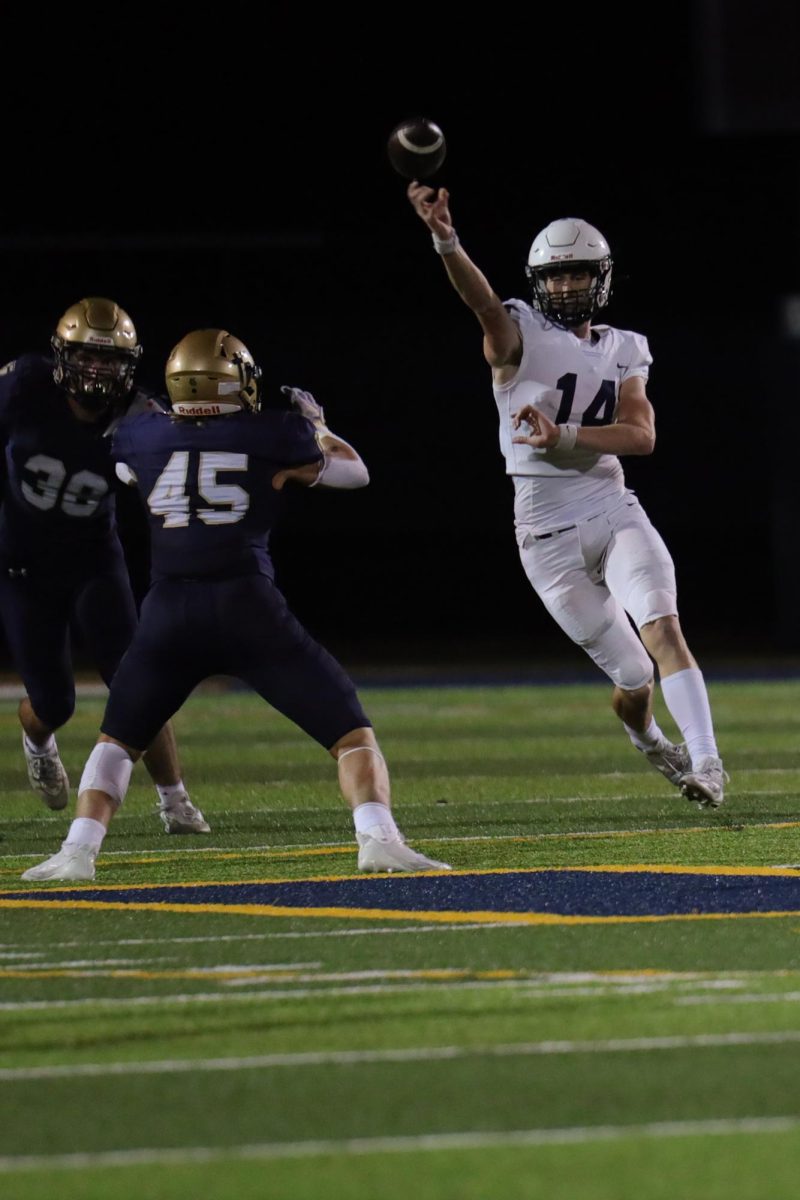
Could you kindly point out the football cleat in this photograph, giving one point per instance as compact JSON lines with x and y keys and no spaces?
{"x":47,"y":776}
{"x":672,"y":761}
{"x":73,"y":862}
{"x":706,"y":784}
{"x":377,"y":854}
{"x":181,"y":816}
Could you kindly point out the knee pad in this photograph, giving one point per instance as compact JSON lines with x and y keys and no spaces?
{"x":108,"y":769}
{"x":618,"y":651}
{"x":633,"y":672}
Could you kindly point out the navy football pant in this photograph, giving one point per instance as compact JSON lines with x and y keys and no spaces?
{"x":192,"y":629}
{"x":39,"y":613}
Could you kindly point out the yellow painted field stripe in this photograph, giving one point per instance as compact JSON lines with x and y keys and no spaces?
{"x":438,"y":974}
{"x":616,"y":868}
{"x":383,"y":914}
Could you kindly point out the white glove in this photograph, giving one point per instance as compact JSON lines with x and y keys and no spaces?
{"x":305,"y":404}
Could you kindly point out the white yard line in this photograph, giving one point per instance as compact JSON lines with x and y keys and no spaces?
{"x":568,"y":835}
{"x":757,"y":998}
{"x":250,"y":937}
{"x":170,"y":998}
{"x":408,"y":1054}
{"x":531,"y":989}
{"x":471,"y":1140}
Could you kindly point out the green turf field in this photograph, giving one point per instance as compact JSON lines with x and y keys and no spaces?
{"x":530,"y":1025}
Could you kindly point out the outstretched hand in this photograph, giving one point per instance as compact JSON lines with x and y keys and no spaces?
{"x":544,"y":433}
{"x":305,"y":404}
{"x":432,"y":207}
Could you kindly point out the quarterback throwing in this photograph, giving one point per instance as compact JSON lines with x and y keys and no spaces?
{"x":571,"y":398}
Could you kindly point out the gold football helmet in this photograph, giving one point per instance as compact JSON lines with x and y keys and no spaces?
{"x":96,"y":351}
{"x":210,"y":373}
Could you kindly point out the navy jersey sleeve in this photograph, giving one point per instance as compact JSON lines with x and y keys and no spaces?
{"x":120,"y":444}
{"x":10,"y":375}
{"x":289,"y":439}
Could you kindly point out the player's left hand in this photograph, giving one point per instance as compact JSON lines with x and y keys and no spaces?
{"x":544,"y":432}
{"x":305,"y":403}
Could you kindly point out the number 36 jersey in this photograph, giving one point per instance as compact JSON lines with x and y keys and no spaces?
{"x":58,"y":511}
{"x":572,"y":380}
{"x":208,"y":486}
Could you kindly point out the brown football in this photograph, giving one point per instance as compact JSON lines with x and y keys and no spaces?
{"x":416,"y":148}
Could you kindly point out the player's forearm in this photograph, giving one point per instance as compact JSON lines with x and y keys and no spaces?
{"x":335,"y":447}
{"x":343,"y":466}
{"x":622,"y":438}
{"x":469,"y":281}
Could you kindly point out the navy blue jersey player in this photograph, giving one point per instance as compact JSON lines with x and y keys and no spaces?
{"x":61,"y":562}
{"x":212,"y":473}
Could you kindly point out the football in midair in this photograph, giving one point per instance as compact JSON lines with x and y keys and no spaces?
{"x":416,"y":148}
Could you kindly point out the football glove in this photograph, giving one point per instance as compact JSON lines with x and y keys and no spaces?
{"x":305,"y":404}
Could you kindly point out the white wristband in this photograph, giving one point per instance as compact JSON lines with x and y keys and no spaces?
{"x":445,"y":245}
{"x":567,"y":436}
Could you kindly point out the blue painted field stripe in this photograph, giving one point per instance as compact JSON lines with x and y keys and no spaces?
{"x":609,"y":893}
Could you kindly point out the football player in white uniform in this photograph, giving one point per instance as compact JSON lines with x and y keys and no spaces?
{"x":571,"y":398}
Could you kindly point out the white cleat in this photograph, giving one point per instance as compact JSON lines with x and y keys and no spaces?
{"x":47,"y":776}
{"x":672,"y":761}
{"x":706,"y":784}
{"x":375,"y":854}
{"x":73,"y":862}
{"x":181,"y":816}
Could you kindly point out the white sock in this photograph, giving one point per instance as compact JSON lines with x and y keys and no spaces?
{"x":46,"y":748}
{"x":84,"y":831}
{"x":686,"y":698}
{"x":648,"y":740}
{"x":377,"y":821}
{"x":170,"y":792}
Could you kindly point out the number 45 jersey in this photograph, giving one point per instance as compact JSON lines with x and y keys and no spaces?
{"x":573,"y":381}
{"x":208,"y":487}
{"x":58,"y":511}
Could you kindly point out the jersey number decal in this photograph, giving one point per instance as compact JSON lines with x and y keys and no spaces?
{"x":605,"y":400}
{"x":228,"y":501}
{"x":44,"y":487}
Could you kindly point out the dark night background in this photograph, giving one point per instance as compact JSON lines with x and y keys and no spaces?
{"x":232,"y":172}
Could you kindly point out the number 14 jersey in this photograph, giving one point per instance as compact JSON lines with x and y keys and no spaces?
{"x":573,"y":381}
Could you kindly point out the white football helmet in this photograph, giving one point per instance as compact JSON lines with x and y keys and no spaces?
{"x":569,"y":242}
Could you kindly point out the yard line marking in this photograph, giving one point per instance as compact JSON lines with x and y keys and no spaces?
{"x":252,"y":937}
{"x":400,"y":1055}
{"x":763,"y":998}
{"x":334,"y":848}
{"x":470,"y":1140}
{"x":530,"y":989}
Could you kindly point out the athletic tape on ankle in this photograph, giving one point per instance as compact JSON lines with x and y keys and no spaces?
{"x":108,"y":769}
{"x":353,"y":750}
